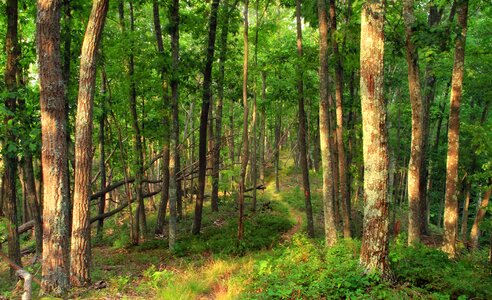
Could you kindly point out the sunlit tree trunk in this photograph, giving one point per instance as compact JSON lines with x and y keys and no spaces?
{"x":207,"y":95}
{"x":54,"y":150}
{"x":417,"y":142}
{"x":80,"y":252}
{"x":374,"y":250}
{"x":324,"y":128}
{"x":245,"y":150}
{"x":451,"y":198}
{"x":475,"y":231}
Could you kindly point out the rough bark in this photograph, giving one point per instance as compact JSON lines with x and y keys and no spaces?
{"x":54,"y":150}
{"x":245,"y":150}
{"x":161,"y":213}
{"x":417,"y":142}
{"x":475,"y":231}
{"x":451,"y":197}
{"x":342,"y":161}
{"x":10,"y":157}
{"x":324,"y":128}
{"x":80,"y":251}
{"x":207,"y":95}
{"x":374,"y":250}
{"x":302,"y":126}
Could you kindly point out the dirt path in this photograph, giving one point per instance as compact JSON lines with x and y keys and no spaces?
{"x":287,"y":237}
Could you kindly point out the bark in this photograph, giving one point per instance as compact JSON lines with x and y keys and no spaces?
{"x":475,"y":231}
{"x":54,"y":150}
{"x":417,"y":143}
{"x":342,"y":162}
{"x":102,"y":156}
{"x":161,"y":213}
{"x":245,"y":150}
{"x":302,"y":127}
{"x":263,"y":127}
{"x":80,"y":251}
{"x":10,"y":156}
{"x":374,"y":250}
{"x":207,"y":95}
{"x":174,"y":32}
{"x":451,"y":197}
{"x":32,"y":199}
{"x":464,"y":218}
{"x":220,"y":99}
{"x":324,"y":128}
{"x":278,"y":128}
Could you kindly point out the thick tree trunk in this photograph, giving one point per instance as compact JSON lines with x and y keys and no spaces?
{"x":475,"y":231}
{"x":207,"y":95}
{"x":161,"y":213}
{"x":80,"y":252}
{"x":10,"y":157}
{"x":324,"y":128}
{"x":302,"y":126}
{"x":54,"y":150}
{"x":451,"y":198}
{"x":245,"y":150}
{"x":417,"y":142}
{"x":374,"y":250}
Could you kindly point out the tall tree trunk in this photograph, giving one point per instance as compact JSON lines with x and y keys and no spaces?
{"x":324,"y":128}
{"x":417,"y":143}
{"x":102,"y":156}
{"x":302,"y":126}
{"x":245,"y":150}
{"x":374,"y":251}
{"x":80,"y":252}
{"x":451,"y":198}
{"x":173,"y":188}
{"x":254,"y":140}
{"x":161,"y":213}
{"x":464,"y":218}
{"x":140,"y":219}
{"x":220,"y":99}
{"x":278,"y":129}
{"x":342,"y":162}
{"x":9,"y":156}
{"x":207,"y":95}
{"x":475,"y":231}
{"x":263,"y":127}
{"x":54,"y":150}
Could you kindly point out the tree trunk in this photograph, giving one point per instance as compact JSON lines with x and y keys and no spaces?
{"x":278,"y":128}
{"x":451,"y":198}
{"x":263,"y":127}
{"x":475,"y":231}
{"x":54,"y":150}
{"x":207,"y":95}
{"x":417,"y":142}
{"x":10,"y":156}
{"x":80,"y":252}
{"x":302,"y":126}
{"x":342,"y":162}
{"x":464,"y":218}
{"x":161,"y":213}
{"x":324,"y":128}
{"x":374,"y":250}
{"x":244,"y":154}
{"x":102,"y":156}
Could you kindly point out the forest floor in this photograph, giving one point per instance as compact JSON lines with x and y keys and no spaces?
{"x":274,"y":261}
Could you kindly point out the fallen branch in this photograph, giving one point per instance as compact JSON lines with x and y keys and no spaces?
{"x":17,"y":267}
{"x":27,"y":277}
{"x":259,"y":187}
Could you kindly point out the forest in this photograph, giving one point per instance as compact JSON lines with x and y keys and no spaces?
{"x":245,"y":149}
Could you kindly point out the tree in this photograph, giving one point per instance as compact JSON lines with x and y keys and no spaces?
{"x":54,"y":150}
{"x":207,"y":95}
{"x":451,"y":198}
{"x":80,"y":251}
{"x":417,"y":144}
{"x":302,"y":126}
{"x":324,"y":128}
{"x":374,"y":251}
{"x":475,"y":231}
{"x":9,"y":153}
{"x":245,"y":150}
